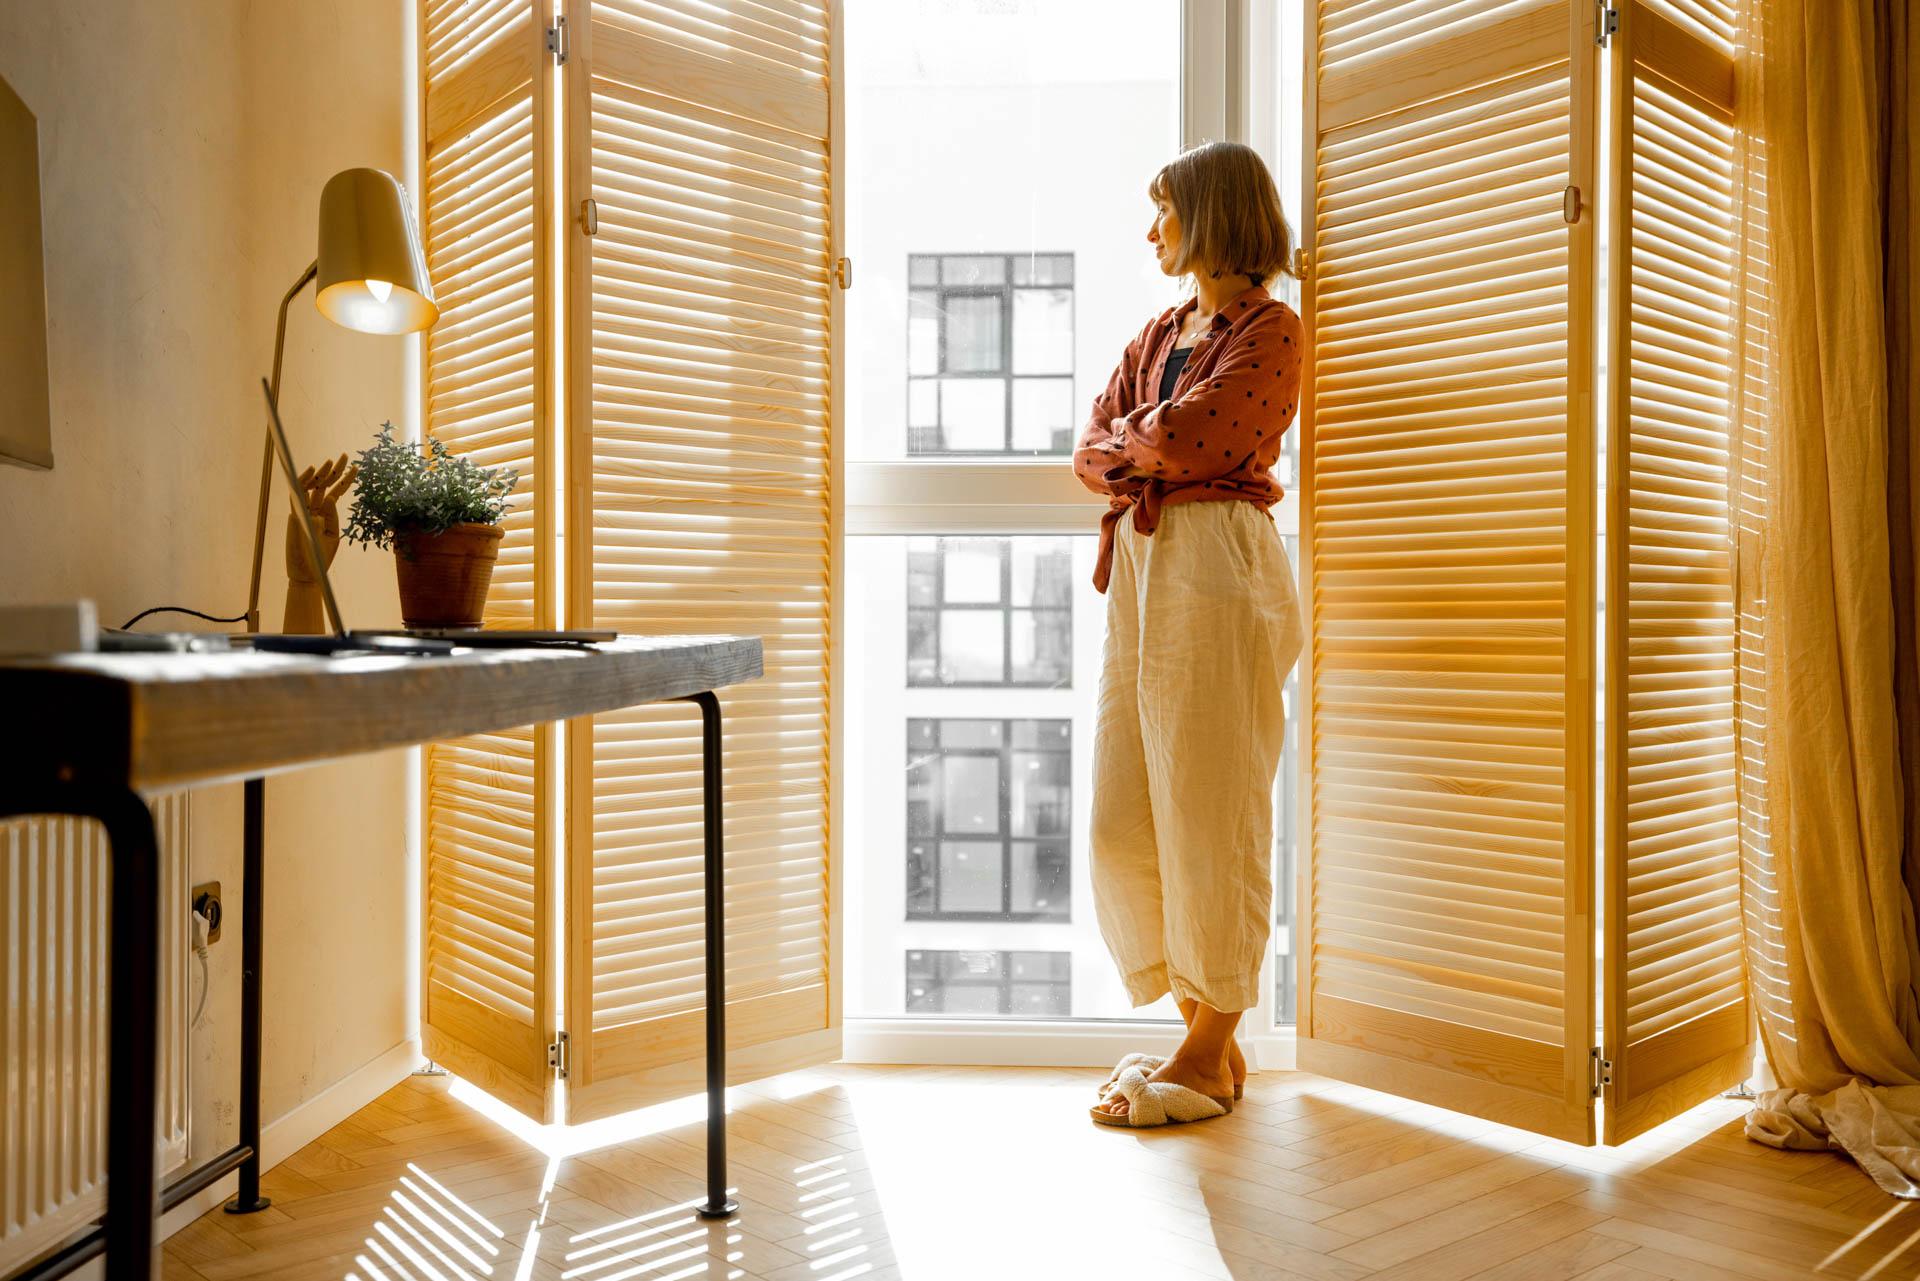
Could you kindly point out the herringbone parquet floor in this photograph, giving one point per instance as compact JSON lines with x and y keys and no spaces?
{"x":926,"y":1174}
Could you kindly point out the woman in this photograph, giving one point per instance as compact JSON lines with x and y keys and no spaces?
{"x":1203,"y":624}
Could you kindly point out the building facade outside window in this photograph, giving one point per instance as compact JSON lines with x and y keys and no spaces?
{"x":1036,"y":984}
{"x":990,"y":611}
{"x":989,"y":819}
{"x":990,"y":354}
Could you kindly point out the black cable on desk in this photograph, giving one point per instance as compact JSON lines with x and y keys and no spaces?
{"x":177,"y":609}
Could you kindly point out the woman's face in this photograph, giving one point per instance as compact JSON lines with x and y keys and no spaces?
{"x":1164,"y":235}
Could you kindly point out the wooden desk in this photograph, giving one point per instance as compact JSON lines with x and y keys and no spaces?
{"x":91,"y":732}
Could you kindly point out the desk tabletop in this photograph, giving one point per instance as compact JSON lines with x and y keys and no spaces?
{"x":152,"y":721}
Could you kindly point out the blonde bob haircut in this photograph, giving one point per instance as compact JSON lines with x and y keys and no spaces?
{"x":1229,"y":210}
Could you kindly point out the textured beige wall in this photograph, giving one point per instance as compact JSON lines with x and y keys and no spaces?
{"x":183,"y":148}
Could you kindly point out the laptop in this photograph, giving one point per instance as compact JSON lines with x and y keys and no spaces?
{"x":404,"y":640}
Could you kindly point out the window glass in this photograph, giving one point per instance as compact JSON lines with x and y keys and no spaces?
{"x":1043,"y":415}
{"x":1002,"y":268}
{"x":974,"y":328}
{"x":970,"y":801}
{"x":973,"y":570}
{"x":981,"y":637}
{"x":1042,"y":572}
{"x":996,"y":163}
{"x":923,"y":407}
{"x":984,"y":270}
{"x":970,"y":877}
{"x":973,"y":414}
{"x":1042,"y":642}
{"x":1037,"y":984}
{"x":972,"y":648}
{"x":1042,"y":331}
{"x":995,"y":798}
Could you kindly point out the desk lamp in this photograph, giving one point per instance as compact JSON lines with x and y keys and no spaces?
{"x":372,"y":278}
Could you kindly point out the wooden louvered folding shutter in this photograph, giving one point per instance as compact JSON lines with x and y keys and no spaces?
{"x":1448,"y":530}
{"x":1677,"y":1014}
{"x":487,"y":940}
{"x":700,"y":324}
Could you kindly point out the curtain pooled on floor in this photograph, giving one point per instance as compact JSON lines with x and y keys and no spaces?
{"x":1826,"y":85}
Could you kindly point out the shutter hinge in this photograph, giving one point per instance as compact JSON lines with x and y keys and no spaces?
{"x":1570,"y":205}
{"x":843,"y":273}
{"x":1606,"y":21}
{"x":557,"y":39}
{"x":589,"y":216}
{"x":558,"y":1057}
{"x":1602,"y":1071}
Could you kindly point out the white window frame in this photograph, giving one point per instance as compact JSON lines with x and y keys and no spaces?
{"x":1227,"y":79}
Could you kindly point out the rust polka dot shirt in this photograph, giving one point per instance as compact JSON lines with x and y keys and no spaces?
{"x":1217,"y":438}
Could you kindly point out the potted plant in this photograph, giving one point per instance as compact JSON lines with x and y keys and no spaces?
{"x":441,"y":515}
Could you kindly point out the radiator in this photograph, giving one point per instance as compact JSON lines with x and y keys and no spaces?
{"x":53,"y":1030}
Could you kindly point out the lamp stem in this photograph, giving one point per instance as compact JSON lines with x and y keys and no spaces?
{"x":266,"y":457}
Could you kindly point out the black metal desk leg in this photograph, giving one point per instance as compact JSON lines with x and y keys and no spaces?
{"x":133,"y":1019}
{"x":252,"y":912}
{"x":133,"y":1080}
{"x":717,"y":1205}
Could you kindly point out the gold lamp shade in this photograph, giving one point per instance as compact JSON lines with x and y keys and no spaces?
{"x":372,"y":275}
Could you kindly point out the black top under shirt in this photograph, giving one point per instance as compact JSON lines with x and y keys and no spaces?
{"x":1176,"y":361}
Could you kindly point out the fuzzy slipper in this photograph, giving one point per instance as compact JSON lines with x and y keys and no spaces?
{"x":1151,"y":1103}
{"x":1148,"y":1062}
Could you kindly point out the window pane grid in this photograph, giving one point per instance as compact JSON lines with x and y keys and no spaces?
{"x":1036,"y":984}
{"x":981,"y":615}
{"x":989,"y":819}
{"x":990,"y":354}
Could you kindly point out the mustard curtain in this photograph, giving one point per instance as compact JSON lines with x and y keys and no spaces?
{"x":1833,"y":933}
{"x":1900,"y":52}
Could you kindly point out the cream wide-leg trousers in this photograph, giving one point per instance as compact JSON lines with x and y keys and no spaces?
{"x":1203,"y":625}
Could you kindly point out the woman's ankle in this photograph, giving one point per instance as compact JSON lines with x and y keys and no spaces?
{"x":1201,"y":1062}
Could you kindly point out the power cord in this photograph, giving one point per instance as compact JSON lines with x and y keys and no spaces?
{"x":200,"y":924}
{"x":177,"y":609}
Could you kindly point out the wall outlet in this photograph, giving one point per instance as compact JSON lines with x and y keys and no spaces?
{"x":206,"y":902}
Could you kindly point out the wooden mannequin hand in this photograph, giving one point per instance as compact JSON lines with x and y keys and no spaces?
{"x":322,"y":490}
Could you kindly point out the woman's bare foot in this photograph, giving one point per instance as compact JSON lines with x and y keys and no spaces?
{"x":1236,"y":1067}
{"x":1212,"y":1079}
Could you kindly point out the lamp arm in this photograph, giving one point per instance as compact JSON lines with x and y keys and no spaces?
{"x":266,"y":457}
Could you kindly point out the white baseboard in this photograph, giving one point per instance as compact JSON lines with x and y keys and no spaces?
{"x":1019,"y":1043}
{"x":281,"y":1138}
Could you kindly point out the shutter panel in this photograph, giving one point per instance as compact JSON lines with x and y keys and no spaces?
{"x":699,"y":365}
{"x":1448,"y":530}
{"x":487,"y":939}
{"x":1677,"y":1015}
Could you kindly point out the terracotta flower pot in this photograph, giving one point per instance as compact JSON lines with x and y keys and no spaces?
{"x":444,"y":577}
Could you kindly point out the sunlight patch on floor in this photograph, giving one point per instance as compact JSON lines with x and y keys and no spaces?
{"x":965,"y":1215}
{"x":572,"y":1140}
